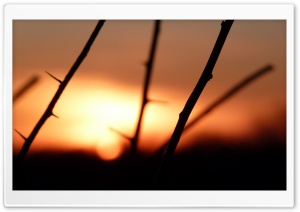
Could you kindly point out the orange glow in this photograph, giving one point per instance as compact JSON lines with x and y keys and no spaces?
{"x":85,"y":123}
{"x":109,"y":148}
{"x":107,"y":89}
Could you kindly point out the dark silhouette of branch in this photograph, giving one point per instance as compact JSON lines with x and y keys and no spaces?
{"x":58,"y":93}
{"x":25,"y":87}
{"x":184,"y":115}
{"x":145,"y":99}
{"x":238,"y":87}
{"x":120,"y":133}
{"x":58,"y":80}
{"x":20,"y":134}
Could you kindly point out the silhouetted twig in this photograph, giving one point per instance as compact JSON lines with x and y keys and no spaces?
{"x":62,"y":86}
{"x":145,"y":99}
{"x":219,"y":101}
{"x":25,"y":87}
{"x":184,"y":115}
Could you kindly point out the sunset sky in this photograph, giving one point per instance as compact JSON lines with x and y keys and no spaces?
{"x":107,"y":88}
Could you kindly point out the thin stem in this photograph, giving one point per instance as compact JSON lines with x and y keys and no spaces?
{"x":58,"y":93}
{"x":145,"y":99}
{"x":184,"y":115}
{"x":25,"y":87}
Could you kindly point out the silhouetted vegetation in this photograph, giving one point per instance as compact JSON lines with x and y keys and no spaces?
{"x":210,"y":166}
{"x":62,"y":86}
{"x":191,"y":102}
{"x":145,"y":98}
{"x":29,"y":84}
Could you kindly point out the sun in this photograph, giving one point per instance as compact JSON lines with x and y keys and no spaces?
{"x":109,"y":149}
{"x":88,"y":122}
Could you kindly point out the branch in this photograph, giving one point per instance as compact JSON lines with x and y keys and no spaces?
{"x":145,"y":100}
{"x":58,"y":93}
{"x":184,"y":115}
{"x":25,"y":88}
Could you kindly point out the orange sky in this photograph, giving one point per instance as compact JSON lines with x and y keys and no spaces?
{"x":106,"y":90}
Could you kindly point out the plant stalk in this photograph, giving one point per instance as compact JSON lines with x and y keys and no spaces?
{"x":25,"y":88}
{"x":145,"y":99}
{"x":185,"y":113}
{"x":62,"y":86}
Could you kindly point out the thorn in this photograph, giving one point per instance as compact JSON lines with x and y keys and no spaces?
{"x":21,"y":135}
{"x":158,"y":101}
{"x":120,"y":133}
{"x":146,"y":100}
{"x":52,"y":114}
{"x":54,"y":77}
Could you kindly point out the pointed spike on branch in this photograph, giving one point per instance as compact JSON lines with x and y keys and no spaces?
{"x":158,"y":101}
{"x":146,"y":63}
{"x":146,"y":100}
{"x":119,"y":133}
{"x":54,"y":77}
{"x":21,"y":135}
{"x":52,"y":114}
{"x":269,"y":67}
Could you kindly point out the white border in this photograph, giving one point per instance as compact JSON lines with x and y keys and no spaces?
{"x":147,"y":198}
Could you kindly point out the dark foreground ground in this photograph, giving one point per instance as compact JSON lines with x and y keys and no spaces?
{"x":211,"y":167}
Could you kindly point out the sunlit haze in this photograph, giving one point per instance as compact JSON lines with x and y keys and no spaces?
{"x":106,"y":90}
